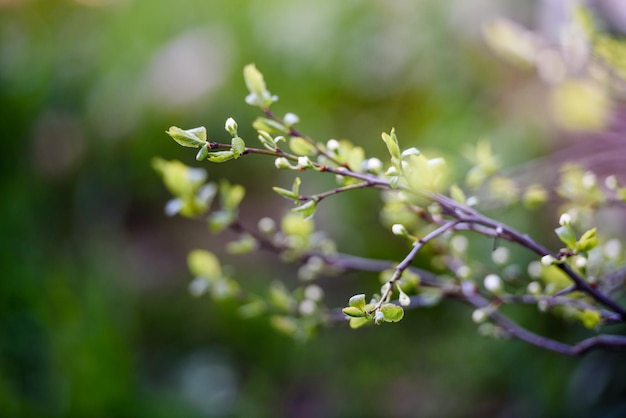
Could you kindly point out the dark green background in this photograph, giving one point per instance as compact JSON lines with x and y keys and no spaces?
{"x":95,"y":317}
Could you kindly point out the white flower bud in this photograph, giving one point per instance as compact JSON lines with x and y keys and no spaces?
{"x":534,"y":269}
{"x":479,"y":316}
{"x":410,"y":151}
{"x":471,"y":201}
{"x":291,"y":119}
{"x":304,"y":162}
{"x":332,"y":145}
{"x":231,"y":126}
{"x":379,"y":317}
{"x":307,"y":307}
{"x":500,"y":255}
{"x":282,"y":163}
{"x":373,"y":165}
{"x":459,"y":243}
{"x":493,"y":283}
{"x":198,"y":286}
{"x":267,"y":225}
{"x":581,"y":262}
{"x":313,"y":292}
{"x":548,"y":260}
{"x":399,"y":230}
{"x":534,"y":288}
{"x":565,"y":219}
{"x":589,"y":180}
{"x":611,"y":182}
{"x":463,"y":272}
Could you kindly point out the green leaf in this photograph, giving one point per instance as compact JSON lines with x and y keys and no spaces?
{"x":307,"y":209}
{"x":279,"y":296}
{"x":238,"y":146}
{"x":269,"y":126}
{"x":392,"y":143}
{"x":301,"y":146}
{"x":252,"y":309}
{"x":358,"y":322}
{"x":590,"y":318}
{"x":231,"y":195}
{"x":267,"y":140}
{"x":285,"y":193}
{"x":567,"y":235}
{"x":220,"y":156}
{"x":220,"y":220}
{"x":259,"y":95}
{"x":204,"y":264}
{"x":193,"y":138}
{"x":358,"y":301}
{"x":391,"y":312}
{"x":587,"y":241}
{"x":284,"y":324}
{"x":244,"y":245}
{"x":182,"y":181}
{"x":295,"y":187}
{"x":457,"y":194}
{"x":353,"y":312}
{"x":203,"y":153}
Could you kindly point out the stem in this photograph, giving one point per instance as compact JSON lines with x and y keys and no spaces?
{"x":338,"y":190}
{"x":406,"y":262}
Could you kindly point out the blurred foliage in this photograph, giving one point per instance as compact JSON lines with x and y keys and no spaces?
{"x":95,"y":316}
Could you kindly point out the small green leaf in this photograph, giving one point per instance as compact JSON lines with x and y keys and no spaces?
{"x":391,"y":312}
{"x":231,"y":195}
{"x":244,"y":245}
{"x":285,"y":193}
{"x":457,"y":194}
{"x":307,"y":209}
{"x":252,"y":309}
{"x":204,"y":264}
{"x":267,"y":140}
{"x":279,"y":296}
{"x":353,"y":312}
{"x":295,"y":187}
{"x":202,"y":153}
{"x":392,"y":143}
{"x":284,"y":324}
{"x":220,"y":156}
{"x":193,"y":138}
{"x":220,"y":220}
{"x":567,"y":235}
{"x":238,"y":146}
{"x":587,"y":241}
{"x":590,"y":318}
{"x":269,"y":126}
{"x":358,"y":301}
{"x":301,"y":146}
{"x":358,"y":322}
{"x":259,"y":95}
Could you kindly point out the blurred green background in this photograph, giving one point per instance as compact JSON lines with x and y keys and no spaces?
{"x":95,"y":317}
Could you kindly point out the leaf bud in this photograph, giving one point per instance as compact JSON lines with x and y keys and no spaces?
{"x":231,"y":126}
